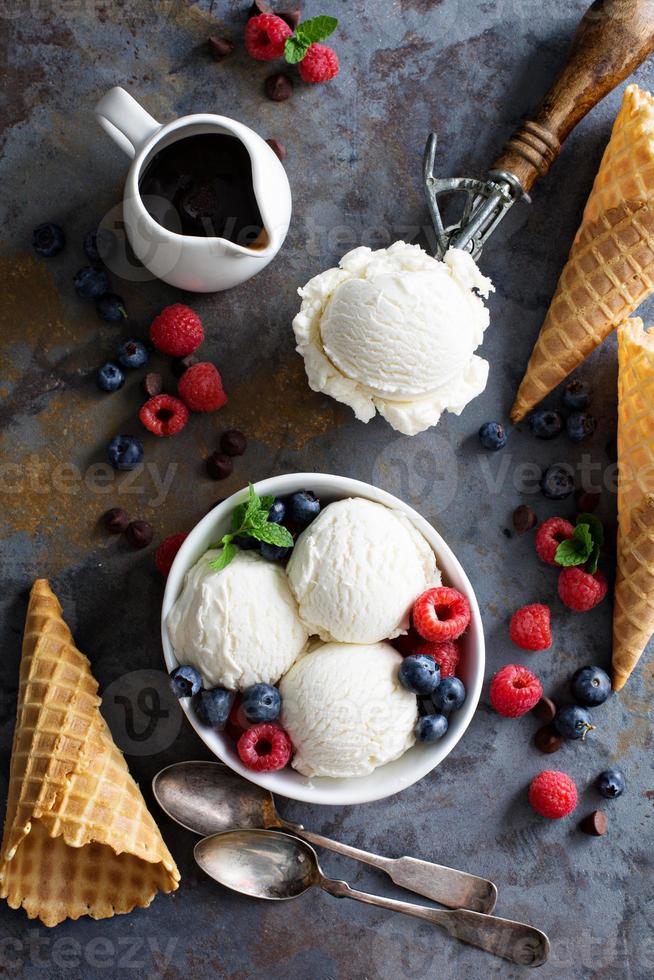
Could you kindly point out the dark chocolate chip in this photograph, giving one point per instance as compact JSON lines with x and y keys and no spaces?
{"x":548,"y":740}
{"x":278,"y":148}
{"x":115,"y":520}
{"x":152,"y":384}
{"x":220,"y":47}
{"x":139,"y":534}
{"x":179,"y":365}
{"x":278,"y":87}
{"x":595,"y":824}
{"x":587,"y":500}
{"x":233,"y":442}
{"x":292,"y":17}
{"x":544,"y":710}
{"x":523,"y":519}
{"x":219,"y":466}
{"x":259,"y":7}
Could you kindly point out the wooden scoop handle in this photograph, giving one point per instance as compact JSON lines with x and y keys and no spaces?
{"x":614,"y":36}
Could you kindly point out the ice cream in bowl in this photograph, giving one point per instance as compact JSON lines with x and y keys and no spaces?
{"x":296,"y":628}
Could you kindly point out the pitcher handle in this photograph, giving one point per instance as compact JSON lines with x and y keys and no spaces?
{"x":127,"y":122}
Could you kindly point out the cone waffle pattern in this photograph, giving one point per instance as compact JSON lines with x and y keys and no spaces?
{"x":78,"y":838}
{"x":633,"y":612}
{"x":610,"y":269}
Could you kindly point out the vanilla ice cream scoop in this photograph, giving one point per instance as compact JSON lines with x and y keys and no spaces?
{"x":357,"y":570}
{"x":345,"y":710}
{"x":395,"y":331}
{"x":239,"y":626}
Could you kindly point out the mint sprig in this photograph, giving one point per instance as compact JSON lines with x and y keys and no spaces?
{"x":584,"y":547}
{"x":309,"y":32}
{"x":251,"y":518}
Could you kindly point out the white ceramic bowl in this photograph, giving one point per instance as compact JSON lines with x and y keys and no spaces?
{"x":420,"y":759}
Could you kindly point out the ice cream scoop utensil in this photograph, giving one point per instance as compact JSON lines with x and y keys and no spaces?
{"x":613,"y":38}
{"x":207,"y":798}
{"x":268,"y":864}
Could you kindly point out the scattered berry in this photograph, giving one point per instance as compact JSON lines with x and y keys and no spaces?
{"x":441,"y":614}
{"x":557,"y":482}
{"x":530,"y":627}
{"x":580,"y":426}
{"x":546,"y":424}
{"x":213,"y":706}
{"x":125,"y":452}
{"x":492,"y":436}
{"x":523,"y":519}
{"x":233,"y":442}
{"x":264,"y":748}
{"x":595,"y":824}
{"x":152,"y":384}
{"x":115,"y":520}
{"x":304,"y":507}
{"x":132,"y":354}
{"x":514,"y":691}
{"x":110,"y":377}
{"x":246,"y":542}
{"x":419,"y":674}
{"x":201,"y":388}
{"x":319,"y":64}
{"x":611,"y":783}
{"x":590,"y":686}
{"x":550,"y":535}
{"x":177,"y":331}
{"x":579,"y":590}
{"x":179,"y":365}
{"x":261,"y":702}
{"x":573,"y":722}
{"x":237,"y":723}
{"x":449,"y":695}
{"x":576,"y":395}
{"x":48,"y":240}
{"x":167,"y":551}
{"x":446,"y":654}
{"x":185,"y":682}
{"x":90,"y":282}
{"x":98,"y":245}
{"x":219,"y":466}
{"x":139,"y":534}
{"x":553,"y":794}
{"x":429,"y":728}
{"x":111,"y":308}
{"x":164,"y":415}
{"x":274,"y":552}
{"x":265,"y":37}
{"x":278,"y":87}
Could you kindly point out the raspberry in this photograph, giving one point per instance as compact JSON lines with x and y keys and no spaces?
{"x":579,"y":590}
{"x":550,"y":535}
{"x":441,"y":614}
{"x":264,"y":748}
{"x":406,"y":643}
{"x":514,"y":691}
{"x":319,"y":64}
{"x":553,"y":794}
{"x":446,"y":655}
{"x":530,"y":627}
{"x":201,"y":387}
{"x":237,"y":723}
{"x":165,"y":553}
{"x":265,"y":37}
{"x":177,"y":331}
{"x":164,"y":415}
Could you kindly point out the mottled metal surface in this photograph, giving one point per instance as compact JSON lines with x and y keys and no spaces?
{"x":469,"y":69}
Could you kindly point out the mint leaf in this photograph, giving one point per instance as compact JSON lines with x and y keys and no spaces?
{"x":266,"y":503}
{"x":274,"y":534}
{"x":228,"y":552}
{"x":238,"y":515}
{"x":295,"y":49}
{"x":316,"y":29}
{"x":593,"y":561}
{"x":597,"y":533}
{"x":577,"y":549}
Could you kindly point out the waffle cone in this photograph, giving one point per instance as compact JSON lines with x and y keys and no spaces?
{"x":78,"y":838}
{"x":610,"y":268}
{"x":633,"y":611}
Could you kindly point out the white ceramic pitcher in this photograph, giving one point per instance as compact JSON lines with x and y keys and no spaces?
{"x":195,"y":263}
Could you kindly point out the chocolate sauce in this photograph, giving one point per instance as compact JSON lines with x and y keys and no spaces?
{"x":202,"y":185}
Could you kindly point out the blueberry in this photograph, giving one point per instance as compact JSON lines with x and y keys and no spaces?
{"x":277,"y":512}
{"x":557,"y":482}
{"x":492,"y":436}
{"x":213,"y":706}
{"x":611,"y":783}
{"x":546,"y":424}
{"x":449,"y":695}
{"x":304,"y":507}
{"x":99,"y":245}
{"x":573,"y":721}
{"x":110,"y":377}
{"x":185,"y":682}
{"x":274,"y":552}
{"x":590,"y":686}
{"x":90,"y":282}
{"x":125,"y":452}
{"x":261,"y":702}
{"x":246,"y":542}
{"x":132,"y":354}
{"x":580,"y":426}
{"x":111,"y":308}
{"x":576,"y":395}
{"x":430,"y":728}
{"x":48,"y":240}
{"x":419,"y":674}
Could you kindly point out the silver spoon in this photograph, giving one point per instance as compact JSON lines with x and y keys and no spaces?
{"x":207,"y":798}
{"x":272,"y":865}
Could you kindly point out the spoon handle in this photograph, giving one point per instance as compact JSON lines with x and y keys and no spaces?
{"x":514,"y":941}
{"x":455,"y":889}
